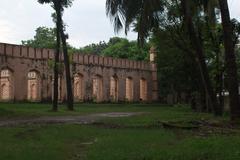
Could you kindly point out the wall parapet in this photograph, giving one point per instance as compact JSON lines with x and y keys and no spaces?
{"x":19,"y":51}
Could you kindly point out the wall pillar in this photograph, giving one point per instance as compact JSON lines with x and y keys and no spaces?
{"x":153,"y":55}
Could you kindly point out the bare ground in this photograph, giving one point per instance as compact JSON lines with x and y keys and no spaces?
{"x":84,"y":119}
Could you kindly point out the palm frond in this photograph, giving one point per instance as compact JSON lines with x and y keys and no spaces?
{"x":144,"y":13}
{"x":116,"y":13}
{"x":44,"y":1}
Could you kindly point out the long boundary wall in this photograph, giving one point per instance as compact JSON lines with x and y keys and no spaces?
{"x":20,"y":60}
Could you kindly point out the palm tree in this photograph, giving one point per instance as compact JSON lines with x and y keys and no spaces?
{"x":59,"y":6}
{"x":230,"y":59}
{"x":123,"y":13}
{"x":147,"y":14}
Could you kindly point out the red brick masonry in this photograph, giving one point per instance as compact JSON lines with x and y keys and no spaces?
{"x":20,"y":61}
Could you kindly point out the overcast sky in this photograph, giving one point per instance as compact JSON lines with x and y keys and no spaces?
{"x":86,"y":19}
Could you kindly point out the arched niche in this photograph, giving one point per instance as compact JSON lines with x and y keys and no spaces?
{"x":78,"y":87}
{"x":143,"y":89}
{"x":34,"y":86}
{"x":129,"y":89}
{"x":98,"y":88}
{"x":6,"y":85}
{"x":114,"y":88}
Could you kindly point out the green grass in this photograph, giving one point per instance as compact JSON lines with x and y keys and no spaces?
{"x":132,"y":142}
{"x":21,"y":110}
{"x":11,"y":110}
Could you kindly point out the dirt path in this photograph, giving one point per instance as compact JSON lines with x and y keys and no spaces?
{"x":83,"y":119}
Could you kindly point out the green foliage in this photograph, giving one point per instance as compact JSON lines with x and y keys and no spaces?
{"x":177,"y":62}
{"x":60,"y":65}
{"x":238,"y":59}
{"x":51,"y":63}
{"x":177,"y":71}
{"x":44,"y":38}
{"x":94,"y":48}
{"x":118,"y":48}
{"x":62,"y":3}
{"x":145,"y":14}
{"x":122,"y":48}
{"x":72,"y":50}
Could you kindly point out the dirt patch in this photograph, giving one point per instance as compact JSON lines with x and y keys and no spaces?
{"x":85,"y":119}
{"x":197,"y":128}
{"x":203,"y":128}
{"x":208,"y":128}
{"x":121,"y":126}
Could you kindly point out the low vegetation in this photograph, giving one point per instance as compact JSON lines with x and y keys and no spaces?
{"x":142,"y":137}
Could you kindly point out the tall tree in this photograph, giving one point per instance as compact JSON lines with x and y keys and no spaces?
{"x":59,"y":6}
{"x":56,"y":68}
{"x":213,"y":34}
{"x":147,"y":14}
{"x":197,"y":46}
{"x":66,"y":63}
{"x":230,"y":60}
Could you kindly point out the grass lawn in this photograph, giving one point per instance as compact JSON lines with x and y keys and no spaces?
{"x":127,"y":138}
{"x":21,"y":110}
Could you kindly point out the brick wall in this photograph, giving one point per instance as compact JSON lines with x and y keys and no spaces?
{"x":20,"y":60}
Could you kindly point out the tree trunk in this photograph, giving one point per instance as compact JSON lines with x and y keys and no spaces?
{"x":219,"y":80}
{"x":67,"y":64}
{"x":230,"y":60}
{"x":56,"y":71}
{"x":200,"y":56}
{"x":67,"y":72}
{"x":211,"y":22}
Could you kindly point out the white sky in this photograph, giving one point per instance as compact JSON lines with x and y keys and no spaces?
{"x":86,"y":20}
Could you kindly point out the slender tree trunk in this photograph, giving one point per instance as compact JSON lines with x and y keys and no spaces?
{"x":211,"y":23}
{"x":219,"y":80}
{"x":230,"y":60}
{"x":200,"y":56}
{"x":66,"y":63}
{"x":68,"y":73}
{"x":221,"y":93}
{"x":203,"y":96}
{"x":56,"y":69}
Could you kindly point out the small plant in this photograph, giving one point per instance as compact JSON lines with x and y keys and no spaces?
{"x":94,"y":99}
{"x":112,"y":99}
{"x":127,"y":100}
{"x":51,"y":63}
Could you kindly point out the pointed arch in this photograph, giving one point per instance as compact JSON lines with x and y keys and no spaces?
{"x":129,"y":89}
{"x":6,"y":85}
{"x":33,"y":91}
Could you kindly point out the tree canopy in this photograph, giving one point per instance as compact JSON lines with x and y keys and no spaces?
{"x":44,"y":38}
{"x":115,"y":47}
